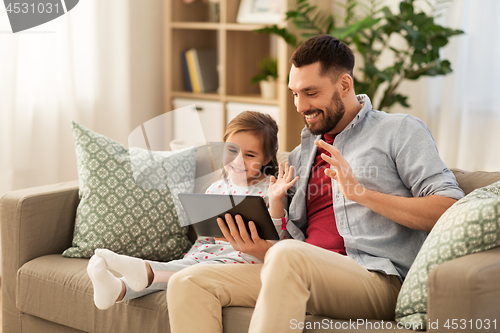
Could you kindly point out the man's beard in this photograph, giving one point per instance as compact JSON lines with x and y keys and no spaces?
{"x":332,"y":116}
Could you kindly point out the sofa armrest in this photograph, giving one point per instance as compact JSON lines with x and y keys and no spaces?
{"x":34,"y":222}
{"x":466,"y":289}
{"x":38,"y":221}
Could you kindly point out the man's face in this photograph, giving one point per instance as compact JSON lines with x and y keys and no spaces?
{"x":317,"y":98}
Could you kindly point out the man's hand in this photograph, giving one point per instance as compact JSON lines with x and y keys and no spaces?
{"x":419,"y":213}
{"x":343,"y":174}
{"x":241,"y":240}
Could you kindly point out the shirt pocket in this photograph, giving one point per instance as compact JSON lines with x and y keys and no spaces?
{"x":376,"y":170}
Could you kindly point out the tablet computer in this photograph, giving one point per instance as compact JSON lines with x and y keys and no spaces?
{"x":204,"y":209}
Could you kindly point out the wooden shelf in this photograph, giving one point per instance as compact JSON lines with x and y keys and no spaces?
{"x":186,"y":94}
{"x":242,"y":27}
{"x":216,"y":26}
{"x":239,"y":50}
{"x":251,"y":99}
{"x":196,"y":25}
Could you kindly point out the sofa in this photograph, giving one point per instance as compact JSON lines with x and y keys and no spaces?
{"x":42,"y":291}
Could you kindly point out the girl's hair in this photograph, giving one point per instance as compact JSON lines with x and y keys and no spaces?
{"x":262,"y":126}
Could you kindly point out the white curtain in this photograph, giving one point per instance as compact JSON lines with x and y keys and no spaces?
{"x":99,"y":65}
{"x":469,"y":115}
{"x":460,"y":108}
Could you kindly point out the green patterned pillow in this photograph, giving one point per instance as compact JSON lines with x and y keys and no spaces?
{"x":471,"y":225}
{"x":125,"y":205}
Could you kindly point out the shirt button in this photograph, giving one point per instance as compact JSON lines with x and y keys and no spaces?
{"x":338,"y":196}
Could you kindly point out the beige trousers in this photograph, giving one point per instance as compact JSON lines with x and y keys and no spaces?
{"x":296,"y":278}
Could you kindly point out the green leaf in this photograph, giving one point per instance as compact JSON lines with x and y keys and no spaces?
{"x":422,"y":20}
{"x":406,"y":7}
{"x":309,"y":9}
{"x":292,"y":14}
{"x":343,"y":32}
{"x":439,"y":42}
{"x":418,"y":57}
{"x":412,"y":33}
{"x":393,"y":99}
{"x":257,"y":78}
{"x":268,"y":68}
{"x":289,"y":38}
{"x":401,"y":99}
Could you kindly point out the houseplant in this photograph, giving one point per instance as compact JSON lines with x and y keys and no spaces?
{"x":369,"y":30}
{"x":267,"y":77}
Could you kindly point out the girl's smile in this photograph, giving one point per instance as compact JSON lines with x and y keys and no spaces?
{"x":244,"y":158}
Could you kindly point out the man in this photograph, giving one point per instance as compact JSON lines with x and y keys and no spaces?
{"x":371,"y":186}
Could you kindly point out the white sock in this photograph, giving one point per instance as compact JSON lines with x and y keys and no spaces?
{"x":107,"y":287}
{"x":133,"y":269}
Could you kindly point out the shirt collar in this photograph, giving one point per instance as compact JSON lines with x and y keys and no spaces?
{"x":367,"y":106}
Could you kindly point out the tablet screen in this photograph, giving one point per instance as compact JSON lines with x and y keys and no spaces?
{"x":204,"y":209}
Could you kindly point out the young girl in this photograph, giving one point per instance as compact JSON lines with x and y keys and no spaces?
{"x":249,"y":167}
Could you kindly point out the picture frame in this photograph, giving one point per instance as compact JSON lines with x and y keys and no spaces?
{"x":260,"y":12}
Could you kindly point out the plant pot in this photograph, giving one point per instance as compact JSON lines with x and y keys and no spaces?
{"x":268,"y":89}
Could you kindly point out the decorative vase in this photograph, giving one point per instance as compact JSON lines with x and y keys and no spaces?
{"x":268,"y":89}
{"x":213,"y":11}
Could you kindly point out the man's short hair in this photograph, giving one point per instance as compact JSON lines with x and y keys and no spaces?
{"x":334,"y":56}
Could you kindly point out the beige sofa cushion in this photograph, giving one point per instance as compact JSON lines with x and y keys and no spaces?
{"x":58,"y":289}
{"x":60,"y":282}
{"x":470,"y":180}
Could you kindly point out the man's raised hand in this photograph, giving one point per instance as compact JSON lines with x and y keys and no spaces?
{"x":342,"y":172}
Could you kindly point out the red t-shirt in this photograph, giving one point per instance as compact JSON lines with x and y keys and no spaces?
{"x":322,"y":229}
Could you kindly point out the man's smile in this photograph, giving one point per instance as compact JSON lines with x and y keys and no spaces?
{"x":311,"y":116}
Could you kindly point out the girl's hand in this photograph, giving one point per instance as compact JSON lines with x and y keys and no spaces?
{"x":279,"y":186}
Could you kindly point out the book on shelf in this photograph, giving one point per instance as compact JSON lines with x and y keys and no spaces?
{"x":193,"y":75}
{"x":207,"y":65}
{"x":187,"y":79}
{"x":201,"y":68}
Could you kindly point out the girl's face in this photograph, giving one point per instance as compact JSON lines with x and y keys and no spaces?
{"x":244,"y":158}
